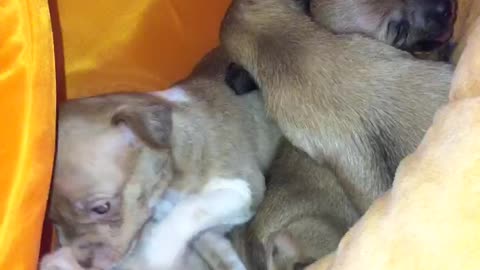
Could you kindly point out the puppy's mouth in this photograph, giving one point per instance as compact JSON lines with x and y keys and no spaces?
{"x":97,"y":255}
{"x":426,"y":45}
{"x":400,"y":31}
{"x":430,"y":45}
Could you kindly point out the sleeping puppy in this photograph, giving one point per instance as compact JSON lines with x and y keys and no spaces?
{"x":422,"y":27}
{"x":351,"y":102}
{"x":412,"y":25}
{"x":118,"y":153}
{"x":429,"y":220}
{"x":304,"y":215}
{"x":284,"y":221}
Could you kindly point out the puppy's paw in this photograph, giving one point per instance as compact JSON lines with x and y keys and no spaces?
{"x":161,"y":210}
{"x":62,"y":259}
{"x":235,"y":191}
{"x":164,"y":206}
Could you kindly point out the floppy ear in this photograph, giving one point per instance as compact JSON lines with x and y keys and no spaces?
{"x":151,"y":123}
{"x":282,"y":250}
{"x":239,"y":80}
{"x":466,"y":82}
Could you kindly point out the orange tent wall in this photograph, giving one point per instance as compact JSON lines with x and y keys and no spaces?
{"x":101,"y":46}
{"x":115,"y":45}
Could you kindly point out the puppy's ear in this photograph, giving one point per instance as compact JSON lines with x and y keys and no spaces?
{"x":151,"y":123}
{"x":239,"y":80}
{"x":282,"y":251}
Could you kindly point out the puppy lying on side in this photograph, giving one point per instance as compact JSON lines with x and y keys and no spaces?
{"x":430,"y":219}
{"x":352,"y":102}
{"x":117,"y":153}
{"x":301,"y":229}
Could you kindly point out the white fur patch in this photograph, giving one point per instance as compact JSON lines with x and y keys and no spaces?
{"x":239,"y":193}
{"x":175,"y":94}
{"x":239,"y":185}
{"x":60,"y":259}
{"x":222,"y":202}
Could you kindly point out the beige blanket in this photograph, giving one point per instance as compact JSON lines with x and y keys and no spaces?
{"x":430,"y":220}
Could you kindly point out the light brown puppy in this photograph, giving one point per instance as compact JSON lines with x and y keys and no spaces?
{"x":412,"y":25}
{"x":117,"y":153}
{"x":357,"y":104}
{"x":430,"y":219}
{"x":304,"y":215}
{"x":284,"y":221}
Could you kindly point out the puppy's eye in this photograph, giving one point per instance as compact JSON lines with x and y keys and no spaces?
{"x":101,"y":209}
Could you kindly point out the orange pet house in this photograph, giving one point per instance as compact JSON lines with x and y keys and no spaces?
{"x":100,"y":46}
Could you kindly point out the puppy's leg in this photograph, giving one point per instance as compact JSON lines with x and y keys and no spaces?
{"x":164,"y":242}
{"x":218,"y":251}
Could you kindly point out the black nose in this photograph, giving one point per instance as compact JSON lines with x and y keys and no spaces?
{"x":439,"y":14}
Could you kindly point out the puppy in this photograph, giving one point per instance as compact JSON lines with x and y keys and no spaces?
{"x":412,"y":25}
{"x":354,"y":103}
{"x":284,"y":222}
{"x":118,"y":153}
{"x":304,"y":215}
{"x":429,"y":220}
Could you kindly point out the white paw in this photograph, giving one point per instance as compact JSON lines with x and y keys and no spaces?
{"x":236,"y":184}
{"x":164,"y":206}
{"x":62,"y":259}
{"x":161,"y":210}
{"x":239,"y":194}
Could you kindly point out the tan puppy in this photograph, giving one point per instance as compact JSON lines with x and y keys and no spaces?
{"x":352,"y":102}
{"x":117,"y":153}
{"x":430,"y":219}
{"x":284,"y":222}
{"x":412,"y":25}
{"x":304,"y":215}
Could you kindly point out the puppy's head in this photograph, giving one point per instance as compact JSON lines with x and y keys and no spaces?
{"x":412,"y":25}
{"x":284,"y":253}
{"x":431,"y":23}
{"x":113,"y":158}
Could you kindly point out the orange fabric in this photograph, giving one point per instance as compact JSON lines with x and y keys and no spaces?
{"x":109,"y":46}
{"x":115,"y":45}
{"x":27,"y":117}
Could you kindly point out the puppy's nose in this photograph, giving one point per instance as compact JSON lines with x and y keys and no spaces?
{"x":439,"y":15}
{"x":442,"y":10}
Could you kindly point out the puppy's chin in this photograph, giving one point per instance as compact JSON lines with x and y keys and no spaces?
{"x":97,"y":256}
